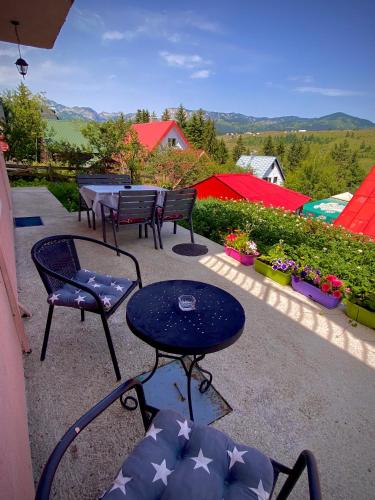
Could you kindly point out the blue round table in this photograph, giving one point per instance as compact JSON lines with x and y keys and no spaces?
{"x":153,"y":315}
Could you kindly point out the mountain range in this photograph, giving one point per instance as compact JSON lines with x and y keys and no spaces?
{"x":229,"y":122}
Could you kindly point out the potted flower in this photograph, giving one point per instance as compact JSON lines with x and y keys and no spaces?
{"x":276,"y":264}
{"x":326,"y":290}
{"x":360,"y":306}
{"x":238,"y":246}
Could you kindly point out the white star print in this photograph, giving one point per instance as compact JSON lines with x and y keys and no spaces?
{"x":106,"y":301}
{"x":113,"y":283}
{"x":86,"y":271}
{"x":161,"y":472}
{"x":79,"y":299}
{"x":96,"y":285}
{"x":260,"y":491}
{"x":201,"y":461}
{"x":153,"y":431}
{"x":184,"y":429}
{"x":77,"y":291}
{"x":235,"y":456}
{"x":119,"y":288}
{"x":54,"y":297}
{"x":91,"y":280}
{"x":120,"y":482}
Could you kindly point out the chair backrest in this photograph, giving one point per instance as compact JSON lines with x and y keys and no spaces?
{"x":58,"y":254}
{"x":97,"y":179}
{"x":135,"y":205}
{"x":179,"y":203}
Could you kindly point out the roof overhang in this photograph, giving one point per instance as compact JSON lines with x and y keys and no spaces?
{"x":40,"y":21}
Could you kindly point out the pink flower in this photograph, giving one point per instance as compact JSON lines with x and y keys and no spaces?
{"x":347,"y":290}
{"x":231,"y":237}
{"x":337,"y":294}
{"x":337,"y":283}
{"x":331,"y":277}
{"x":325,"y":287}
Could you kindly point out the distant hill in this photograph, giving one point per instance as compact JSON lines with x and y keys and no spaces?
{"x":231,"y":122}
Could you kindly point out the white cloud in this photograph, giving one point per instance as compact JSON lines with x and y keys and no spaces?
{"x":183,"y":60}
{"x":331,"y":92}
{"x":202,"y":73}
{"x":113,"y":35}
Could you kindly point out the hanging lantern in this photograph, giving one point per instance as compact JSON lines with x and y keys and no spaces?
{"x":21,"y":64}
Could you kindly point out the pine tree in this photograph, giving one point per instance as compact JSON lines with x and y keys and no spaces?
{"x":280,"y":148}
{"x":166,"y":115}
{"x":268,"y":147}
{"x":210,"y":143}
{"x":221,"y":155}
{"x":238,"y":149}
{"x":138,"y":116}
{"x":145,"y":114}
{"x":295,"y":154}
{"x":181,"y":117}
{"x":195,"y":129}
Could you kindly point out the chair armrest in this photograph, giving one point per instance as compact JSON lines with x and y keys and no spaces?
{"x":306,"y":460}
{"x":46,"y":479}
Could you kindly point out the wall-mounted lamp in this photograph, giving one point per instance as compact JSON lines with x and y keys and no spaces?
{"x":21,"y":64}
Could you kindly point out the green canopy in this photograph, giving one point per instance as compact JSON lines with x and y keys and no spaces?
{"x":327,"y":210}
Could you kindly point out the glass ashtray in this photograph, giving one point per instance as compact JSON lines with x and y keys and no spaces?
{"x":186,"y":302}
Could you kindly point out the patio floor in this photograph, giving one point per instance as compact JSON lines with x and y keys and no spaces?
{"x":300,"y":376}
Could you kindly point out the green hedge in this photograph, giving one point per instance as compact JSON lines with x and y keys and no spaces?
{"x":329,"y":248}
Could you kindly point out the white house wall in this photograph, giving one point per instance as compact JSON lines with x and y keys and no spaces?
{"x":174,"y":134}
{"x":273,"y":172}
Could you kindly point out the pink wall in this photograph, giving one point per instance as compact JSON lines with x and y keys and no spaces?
{"x":16,"y":480}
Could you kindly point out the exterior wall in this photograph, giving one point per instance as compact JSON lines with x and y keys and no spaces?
{"x":173,"y":134}
{"x":213,"y":188}
{"x":16,"y":480}
{"x":273,"y":172}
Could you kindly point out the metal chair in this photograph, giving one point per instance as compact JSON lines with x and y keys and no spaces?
{"x":178,"y":205}
{"x":134,"y":207}
{"x":165,"y":464}
{"x":97,"y":179}
{"x":69,"y":285}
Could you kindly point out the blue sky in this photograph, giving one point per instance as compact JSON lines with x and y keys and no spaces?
{"x":258,"y":58}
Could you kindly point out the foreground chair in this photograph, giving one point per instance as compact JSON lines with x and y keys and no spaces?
{"x":68,"y":285}
{"x":178,"y":205}
{"x":97,"y":180}
{"x":181,"y":460}
{"x":134,"y":207}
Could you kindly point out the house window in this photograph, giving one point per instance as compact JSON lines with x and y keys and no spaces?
{"x":171,"y":142}
{"x":275,"y":180}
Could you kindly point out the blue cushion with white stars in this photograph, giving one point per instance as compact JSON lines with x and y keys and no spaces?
{"x":109,"y":288}
{"x":181,"y":460}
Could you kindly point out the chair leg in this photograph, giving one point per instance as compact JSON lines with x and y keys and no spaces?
{"x":88,"y":218}
{"x":140,"y":230}
{"x":110,"y":347}
{"x":104,"y":227}
{"x":191,"y":231}
{"x":154,"y":235}
{"x":175,"y":228}
{"x":46,"y":333}
{"x":146,"y":231}
{"x":82,"y":315}
{"x":114,"y":235}
{"x":159,"y":233}
{"x":93,"y":221}
{"x":79,"y":208}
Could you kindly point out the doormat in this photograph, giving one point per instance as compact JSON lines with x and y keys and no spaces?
{"x":27,"y":221}
{"x":167,"y":389}
{"x":190,"y":249}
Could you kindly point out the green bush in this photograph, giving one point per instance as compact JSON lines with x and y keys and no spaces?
{"x":331,"y":249}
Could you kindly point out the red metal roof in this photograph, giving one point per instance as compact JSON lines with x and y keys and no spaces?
{"x":359,"y":214}
{"x":152,"y":133}
{"x":251,"y":188}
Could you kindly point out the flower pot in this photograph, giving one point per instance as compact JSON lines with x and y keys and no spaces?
{"x":246,"y":260}
{"x":360,"y":314}
{"x":314,"y":293}
{"x":266,"y":270}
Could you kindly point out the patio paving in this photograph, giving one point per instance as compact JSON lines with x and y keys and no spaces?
{"x":299,"y":377}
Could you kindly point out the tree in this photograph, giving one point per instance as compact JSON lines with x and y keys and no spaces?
{"x":142,"y":116}
{"x":153,"y":117}
{"x":181,"y":117}
{"x":221,"y":155}
{"x":238,"y":149}
{"x":195,"y":128}
{"x":166,"y":115}
{"x":280,"y":148}
{"x":210,"y":143}
{"x":295,"y":154}
{"x":24,"y":128}
{"x":268,"y":147}
{"x":347,"y":161}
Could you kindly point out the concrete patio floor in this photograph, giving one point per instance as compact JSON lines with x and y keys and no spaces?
{"x":300,"y":376}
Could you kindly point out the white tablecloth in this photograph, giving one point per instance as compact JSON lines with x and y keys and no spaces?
{"x":93,"y":194}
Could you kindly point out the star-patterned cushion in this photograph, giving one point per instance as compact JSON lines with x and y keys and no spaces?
{"x":181,"y":460}
{"x":109,"y":288}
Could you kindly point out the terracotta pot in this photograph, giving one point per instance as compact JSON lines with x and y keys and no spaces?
{"x":246,"y":260}
{"x":314,"y":293}
{"x":360,"y":314}
{"x":266,"y":270}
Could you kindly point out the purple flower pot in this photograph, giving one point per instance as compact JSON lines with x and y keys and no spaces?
{"x":314,"y":293}
{"x":246,"y":260}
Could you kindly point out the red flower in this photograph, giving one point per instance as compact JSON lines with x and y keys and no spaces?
{"x":331,"y":277}
{"x":325,"y":287}
{"x":337,"y":283}
{"x":231,"y":237}
{"x":337,"y":294}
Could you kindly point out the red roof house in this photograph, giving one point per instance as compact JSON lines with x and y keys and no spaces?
{"x":359,"y":214}
{"x":250,"y":188}
{"x":166,"y":133}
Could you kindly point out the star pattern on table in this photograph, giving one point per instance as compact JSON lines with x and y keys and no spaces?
{"x":162,"y":472}
{"x":184,"y":429}
{"x":77,"y":291}
{"x":86,"y":270}
{"x":96,"y":285}
{"x":201,"y":461}
{"x":153,"y":431}
{"x":80,"y":299}
{"x":113,"y":283}
{"x":120,"y":482}
{"x":54,"y":297}
{"x":260,"y":491}
{"x":119,"y":288}
{"x":106,"y":302}
{"x":236,"y":456}
{"x":91,"y":280}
